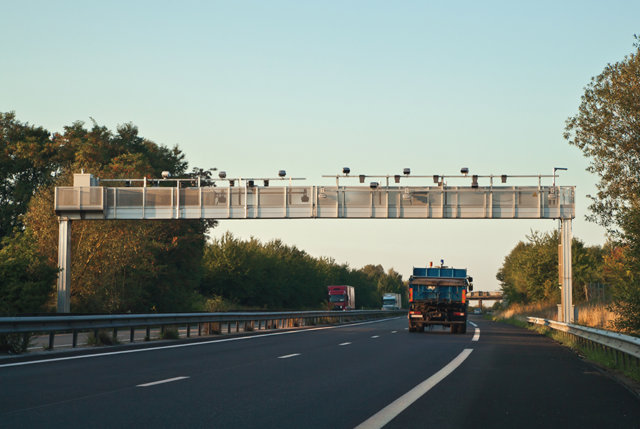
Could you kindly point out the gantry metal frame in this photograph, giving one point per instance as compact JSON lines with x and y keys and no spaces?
{"x":148,"y":199}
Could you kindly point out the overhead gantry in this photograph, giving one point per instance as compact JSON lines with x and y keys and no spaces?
{"x":223,"y":198}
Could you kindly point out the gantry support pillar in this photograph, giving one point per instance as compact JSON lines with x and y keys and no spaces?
{"x":64,"y":265}
{"x":566,"y":237}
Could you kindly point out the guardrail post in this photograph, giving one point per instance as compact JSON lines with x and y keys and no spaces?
{"x":148,"y":334}
{"x":132,"y":332}
{"x":115,"y":335}
{"x":74,"y":341}
{"x":188,"y":330}
{"x":51,"y":339}
{"x":199,"y":329}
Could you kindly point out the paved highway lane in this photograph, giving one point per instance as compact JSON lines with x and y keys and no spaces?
{"x":337,"y":377}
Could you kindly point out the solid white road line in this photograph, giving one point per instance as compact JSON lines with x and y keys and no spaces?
{"x":344,"y":344}
{"x":289,"y":356}
{"x":202,"y":343}
{"x":473,"y":324}
{"x":375,"y":336}
{"x":168,"y":380}
{"x":476,"y":336}
{"x":389,"y":412}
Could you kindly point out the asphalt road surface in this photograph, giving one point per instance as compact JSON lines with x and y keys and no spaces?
{"x":370,"y":374}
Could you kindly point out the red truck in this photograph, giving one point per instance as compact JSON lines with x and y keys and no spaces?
{"x":342,"y":298}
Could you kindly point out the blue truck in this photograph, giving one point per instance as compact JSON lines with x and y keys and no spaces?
{"x":438,"y":296}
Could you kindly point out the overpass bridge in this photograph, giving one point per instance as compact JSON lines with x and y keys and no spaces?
{"x":484,"y":296}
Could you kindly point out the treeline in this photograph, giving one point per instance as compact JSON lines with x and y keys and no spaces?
{"x":140,"y":266}
{"x":529,"y":273}
{"x":276,"y":276}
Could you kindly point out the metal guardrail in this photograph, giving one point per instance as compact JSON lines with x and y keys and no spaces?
{"x":208,"y":323}
{"x":625,"y":345}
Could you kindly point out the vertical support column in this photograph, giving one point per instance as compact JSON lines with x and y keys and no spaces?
{"x":566,"y":237}
{"x":64,"y":265}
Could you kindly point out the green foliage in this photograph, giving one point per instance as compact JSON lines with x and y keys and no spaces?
{"x":530,"y":272}
{"x":101,"y":338}
{"x":607,"y":130}
{"x":27,"y":281}
{"x":28,"y":160}
{"x":15,"y":343}
{"x":170,"y":333}
{"x":117,"y":266}
{"x":276,"y":276}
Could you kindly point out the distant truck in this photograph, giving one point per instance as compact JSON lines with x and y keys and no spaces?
{"x":438,"y":296}
{"x":391,"y":301}
{"x":342,"y":298}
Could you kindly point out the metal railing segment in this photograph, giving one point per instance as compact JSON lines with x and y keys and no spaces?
{"x":208,"y":323}
{"x":615,"y":342}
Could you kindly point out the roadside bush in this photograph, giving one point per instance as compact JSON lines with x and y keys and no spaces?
{"x":103,"y":338}
{"x":15,"y":343}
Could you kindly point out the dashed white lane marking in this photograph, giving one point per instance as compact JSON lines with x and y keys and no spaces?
{"x":476,"y":336}
{"x":289,"y":356}
{"x":389,"y":412}
{"x":473,"y":324}
{"x":394,"y":332}
{"x":168,"y":380}
{"x":375,"y":336}
{"x":175,"y":346}
{"x":406,"y":329}
{"x":344,"y":344}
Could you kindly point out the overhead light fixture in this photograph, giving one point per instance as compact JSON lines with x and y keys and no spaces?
{"x":266,"y":183}
{"x":222,"y":174}
{"x":232,"y":183}
{"x":436,"y":178}
{"x":250,"y":183}
{"x":474,"y":181}
{"x":346,"y":170}
{"x":464,"y":171}
{"x":396,"y":178}
{"x":374,"y":185}
{"x":282,"y":173}
{"x":504,"y":178}
{"x":406,"y":171}
{"x":362,"y":178}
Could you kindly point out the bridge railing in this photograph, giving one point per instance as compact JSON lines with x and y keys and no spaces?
{"x":624,"y":349}
{"x":207,"y":323}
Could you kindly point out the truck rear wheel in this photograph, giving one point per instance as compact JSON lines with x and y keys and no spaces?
{"x":454,"y":328}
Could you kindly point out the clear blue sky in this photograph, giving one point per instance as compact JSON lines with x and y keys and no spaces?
{"x":252,"y":87}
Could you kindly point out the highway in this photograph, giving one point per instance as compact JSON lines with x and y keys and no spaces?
{"x":369,"y":374}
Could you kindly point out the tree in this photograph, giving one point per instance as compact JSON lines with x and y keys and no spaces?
{"x":530,"y":272}
{"x":607,"y":130}
{"x":120,"y":266}
{"x":29,"y":158}
{"x":27,"y":279}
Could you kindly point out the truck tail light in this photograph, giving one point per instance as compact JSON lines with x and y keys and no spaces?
{"x":410,"y":294}
{"x":464,"y":295}
{"x":458,"y":313}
